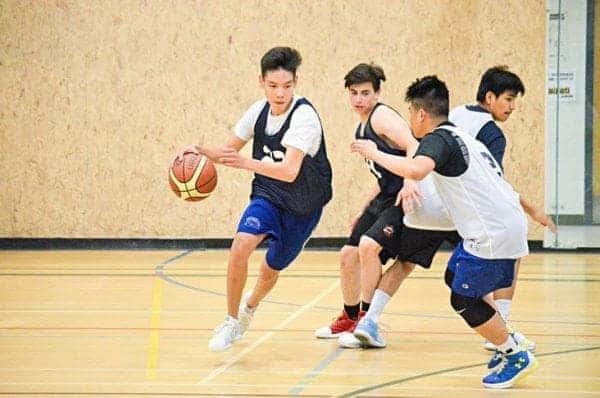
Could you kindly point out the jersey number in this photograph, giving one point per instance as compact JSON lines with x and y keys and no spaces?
{"x":492,"y":162}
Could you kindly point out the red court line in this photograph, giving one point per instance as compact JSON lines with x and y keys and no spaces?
{"x":411,"y":332}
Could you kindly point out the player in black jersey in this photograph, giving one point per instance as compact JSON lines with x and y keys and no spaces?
{"x":377,"y":228}
{"x":292,"y":184}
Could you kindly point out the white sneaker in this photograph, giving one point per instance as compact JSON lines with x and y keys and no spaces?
{"x":524,"y":341}
{"x":348,"y":340}
{"x":245,"y":313}
{"x":225,"y":334}
{"x":519,"y":338}
{"x":489,"y":346}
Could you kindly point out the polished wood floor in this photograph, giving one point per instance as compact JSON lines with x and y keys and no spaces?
{"x":137,"y":323}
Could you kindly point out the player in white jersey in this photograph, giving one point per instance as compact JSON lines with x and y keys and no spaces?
{"x":496,"y":100}
{"x":483,"y":207}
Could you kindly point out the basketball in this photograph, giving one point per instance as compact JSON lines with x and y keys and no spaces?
{"x":193,"y":178}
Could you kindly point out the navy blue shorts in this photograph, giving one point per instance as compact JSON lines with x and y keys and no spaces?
{"x":286,"y":232}
{"x":475,"y":276}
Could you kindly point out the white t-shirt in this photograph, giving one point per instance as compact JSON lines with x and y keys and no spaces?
{"x":303,"y":134}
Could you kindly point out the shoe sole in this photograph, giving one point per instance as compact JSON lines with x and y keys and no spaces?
{"x":526,"y":372}
{"x":329,"y":336}
{"x":366,"y":340}
{"x":349,"y":344}
{"x":489,"y":347}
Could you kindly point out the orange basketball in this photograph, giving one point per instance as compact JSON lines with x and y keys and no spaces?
{"x":193,"y":178}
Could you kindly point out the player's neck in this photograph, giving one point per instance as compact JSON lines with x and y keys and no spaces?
{"x":484,"y":106}
{"x":435,"y":122}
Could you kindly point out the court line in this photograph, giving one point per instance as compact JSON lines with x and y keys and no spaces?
{"x":448,"y":370}
{"x":408,"y":332}
{"x":160,"y":271}
{"x":223,"y":368}
{"x":154,"y":394}
{"x":290,"y":276}
{"x":154,"y":335}
{"x":316,"y":371}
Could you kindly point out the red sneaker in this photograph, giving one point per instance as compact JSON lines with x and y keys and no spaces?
{"x":341,"y":324}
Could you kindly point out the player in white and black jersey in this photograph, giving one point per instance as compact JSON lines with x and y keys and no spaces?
{"x":292,"y":184}
{"x":496,"y":100}
{"x":483,"y":207}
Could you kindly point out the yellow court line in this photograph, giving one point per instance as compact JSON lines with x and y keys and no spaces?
{"x":154,"y":337}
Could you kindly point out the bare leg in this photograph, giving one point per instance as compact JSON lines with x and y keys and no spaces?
{"x":394,"y":276}
{"x":237,"y":270}
{"x":494,"y":330}
{"x":267,"y":278}
{"x":350,"y":275}
{"x":368,"y":250}
{"x":506,"y":295}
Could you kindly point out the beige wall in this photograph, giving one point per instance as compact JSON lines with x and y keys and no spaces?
{"x":95,"y":97}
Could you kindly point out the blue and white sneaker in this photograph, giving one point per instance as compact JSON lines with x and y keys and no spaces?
{"x":515,"y":367}
{"x":496,"y":360}
{"x":367,"y":332}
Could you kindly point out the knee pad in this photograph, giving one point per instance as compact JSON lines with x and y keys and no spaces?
{"x":475,"y":311}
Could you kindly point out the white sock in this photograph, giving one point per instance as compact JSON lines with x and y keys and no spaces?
{"x":509,"y":346}
{"x":503,"y":306}
{"x":380,"y":299}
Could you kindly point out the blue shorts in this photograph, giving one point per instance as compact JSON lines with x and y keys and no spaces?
{"x":475,"y":276}
{"x":286,"y":232}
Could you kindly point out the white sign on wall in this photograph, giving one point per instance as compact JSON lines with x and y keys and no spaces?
{"x":565,"y":107}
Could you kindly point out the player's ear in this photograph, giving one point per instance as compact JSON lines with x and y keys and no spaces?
{"x":261,"y":81}
{"x":489,"y":97}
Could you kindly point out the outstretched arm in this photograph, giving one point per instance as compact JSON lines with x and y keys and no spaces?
{"x":213,"y":153}
{"x":537,"y":214}
{"x":416,"y":168}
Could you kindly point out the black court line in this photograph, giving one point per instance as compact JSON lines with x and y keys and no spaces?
{"x":448,"y":370}
{"x":161,"y":273}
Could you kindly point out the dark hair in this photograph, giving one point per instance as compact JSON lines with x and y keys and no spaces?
{"x":362,"y":73}
{"x":430,"y":94}
{"x":498,"y":80}
{"x":285,"y":58}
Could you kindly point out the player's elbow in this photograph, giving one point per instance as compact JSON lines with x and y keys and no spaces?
{"x":290,"y":174}
{"x":415,"y":173}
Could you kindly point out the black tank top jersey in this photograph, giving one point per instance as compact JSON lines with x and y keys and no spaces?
{"x":389,"y":183}
{"x":312,"y":188}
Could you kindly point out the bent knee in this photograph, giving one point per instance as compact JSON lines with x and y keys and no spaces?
{"x":368,"y":246}
{"x":475,"y":311}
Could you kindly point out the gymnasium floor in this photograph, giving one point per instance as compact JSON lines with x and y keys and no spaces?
{"x":137,"y":323}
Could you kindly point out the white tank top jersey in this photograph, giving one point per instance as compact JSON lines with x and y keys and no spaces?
{"x":432,"y":215}
{"x":484,"y":207}
{"x":470,"y":121}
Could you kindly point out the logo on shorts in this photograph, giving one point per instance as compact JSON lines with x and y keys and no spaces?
{"x":252,"y":222}
{"x":465,"y":286}
{"x":388,"y":230}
